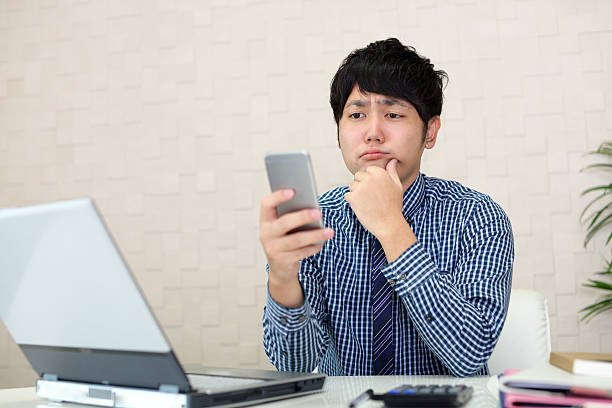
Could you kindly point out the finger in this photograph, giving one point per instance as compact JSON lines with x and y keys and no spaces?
{"x":373,"y":169}
{"x":392,"y":170}
{"x":305,"y":252}
{"x":352,"y":186}
{"x":359,"y":175}
{"x":271,"y":201}
{"x":293,"y":220}
{"x":302,"y":239}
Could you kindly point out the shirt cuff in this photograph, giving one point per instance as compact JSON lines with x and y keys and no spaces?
{"x":411,"y":269}
{"x":287,"y":319}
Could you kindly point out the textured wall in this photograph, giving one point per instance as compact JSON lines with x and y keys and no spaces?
{"x":162,"y":111}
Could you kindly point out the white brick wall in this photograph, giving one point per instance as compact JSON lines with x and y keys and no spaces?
{"x":163,"y":111}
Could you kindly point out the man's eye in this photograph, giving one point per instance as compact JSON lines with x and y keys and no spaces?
{"x":394,"y":115}
{"x":356,"y":115}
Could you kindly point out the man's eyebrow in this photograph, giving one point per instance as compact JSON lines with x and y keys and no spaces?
{"x":358,"y":102}
{"x":391,"y":102}
{"x":384,"y":101}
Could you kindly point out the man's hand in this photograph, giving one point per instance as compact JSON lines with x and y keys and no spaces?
{"x":376,"y":197}
{"x":284,"y":250}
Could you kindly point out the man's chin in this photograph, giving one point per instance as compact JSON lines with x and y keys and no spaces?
{"x":382,"y":163}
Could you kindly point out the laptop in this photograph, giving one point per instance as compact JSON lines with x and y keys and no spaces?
{"x":69,"y":300}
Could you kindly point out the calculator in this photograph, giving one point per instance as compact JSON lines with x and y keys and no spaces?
{"x":426,"y":396}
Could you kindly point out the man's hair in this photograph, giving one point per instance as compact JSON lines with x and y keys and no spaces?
{"x":390,"y":68}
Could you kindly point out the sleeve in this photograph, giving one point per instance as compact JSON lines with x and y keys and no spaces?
{"x":460,"y":314}
{"x":295,"y":339}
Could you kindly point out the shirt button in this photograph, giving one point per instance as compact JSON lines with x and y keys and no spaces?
{"x":284,"y":353}
{"x":283,"y":320}
{"x":391,"y":282}
{"x":302,"y":318}
{"x":402,"y":276}
{"x":429,"y":318}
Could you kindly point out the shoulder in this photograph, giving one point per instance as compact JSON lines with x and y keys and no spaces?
{"x":440,"y":192}
{"x":447,"y":190}
{"x":333,"y":200}
{"x":337,"y":213}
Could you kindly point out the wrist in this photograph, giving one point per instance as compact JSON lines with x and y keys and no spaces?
{"x":286,"y":292}
{"x":396,"y":238}
{"x":393,"y":229}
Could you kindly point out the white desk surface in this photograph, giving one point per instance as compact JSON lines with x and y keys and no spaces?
{"x":337,"y":392}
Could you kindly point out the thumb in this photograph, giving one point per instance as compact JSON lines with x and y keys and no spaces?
{"x":392,"y":170}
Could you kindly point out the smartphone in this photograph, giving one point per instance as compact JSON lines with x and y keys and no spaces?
{"x":293,"y":170}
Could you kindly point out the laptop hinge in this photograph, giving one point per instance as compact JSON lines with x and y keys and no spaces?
{"x":49,"y":377}
{"x":169,"y":388}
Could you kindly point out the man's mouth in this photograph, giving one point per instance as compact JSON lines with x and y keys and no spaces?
{"x":373,"y":154}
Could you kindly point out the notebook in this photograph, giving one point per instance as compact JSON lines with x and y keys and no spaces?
{"x":548,"y":386}
{"x":596,"y":364}
{"x":69,"y":300}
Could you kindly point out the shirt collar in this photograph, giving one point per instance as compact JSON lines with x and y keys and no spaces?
{"x":414,"y":197}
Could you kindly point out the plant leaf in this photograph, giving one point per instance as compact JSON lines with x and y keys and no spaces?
{"x":601,"y":302}
{"x":599,"y":197}
{"x":598,"y":214}
{"x":599,"y":285}
{"x":602,"y":187}
{"x":598,"y":303}
{"x":595,"y":312}
{"x":608,"y":267}
{"x":597,"y":220}
{"x":606,"y":166}
{"x":596,"y":228}
{"x":604,"y":148}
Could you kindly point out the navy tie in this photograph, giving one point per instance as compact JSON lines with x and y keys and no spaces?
{"x":383,"y":349}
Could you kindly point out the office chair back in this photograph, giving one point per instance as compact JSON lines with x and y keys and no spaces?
{"x":525,"y":338}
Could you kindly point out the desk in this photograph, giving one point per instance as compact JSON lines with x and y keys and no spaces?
{"x":337,"y":392}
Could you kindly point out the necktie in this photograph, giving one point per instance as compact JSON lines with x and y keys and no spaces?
{"x":383,"y":349}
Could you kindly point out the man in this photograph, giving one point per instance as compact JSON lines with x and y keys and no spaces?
{"x":414,"y":274}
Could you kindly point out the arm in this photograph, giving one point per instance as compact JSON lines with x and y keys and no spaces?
{"x":293,"y":330}
{"x":296,"y":338}
{"x":460,"y":316}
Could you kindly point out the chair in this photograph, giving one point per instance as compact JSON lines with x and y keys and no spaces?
{"x":525,"y":339}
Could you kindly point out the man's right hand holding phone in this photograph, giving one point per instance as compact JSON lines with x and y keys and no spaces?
{"x":283,"y":250}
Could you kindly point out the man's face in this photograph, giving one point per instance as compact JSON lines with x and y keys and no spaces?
{"x":375,"y":128}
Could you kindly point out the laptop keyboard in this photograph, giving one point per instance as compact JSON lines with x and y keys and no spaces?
{"x":212,"y":382}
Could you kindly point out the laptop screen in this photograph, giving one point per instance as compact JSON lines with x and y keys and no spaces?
{"x":69,"y":300}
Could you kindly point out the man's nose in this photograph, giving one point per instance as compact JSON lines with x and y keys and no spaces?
{"x":374,"y":131}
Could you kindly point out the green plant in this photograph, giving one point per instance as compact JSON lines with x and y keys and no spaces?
{"x":597,"y":215}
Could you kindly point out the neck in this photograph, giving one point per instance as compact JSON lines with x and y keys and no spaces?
{"x":410,"y":179}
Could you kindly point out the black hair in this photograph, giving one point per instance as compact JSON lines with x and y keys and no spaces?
{"x":390,"y":68}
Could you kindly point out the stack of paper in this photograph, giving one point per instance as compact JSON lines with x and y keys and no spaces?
{"x":549,"y":386}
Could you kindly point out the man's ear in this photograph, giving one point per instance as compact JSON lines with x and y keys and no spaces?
{"x":432,"y":132}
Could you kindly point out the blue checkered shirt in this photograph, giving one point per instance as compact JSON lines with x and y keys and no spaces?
{"x":451,"y":289}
